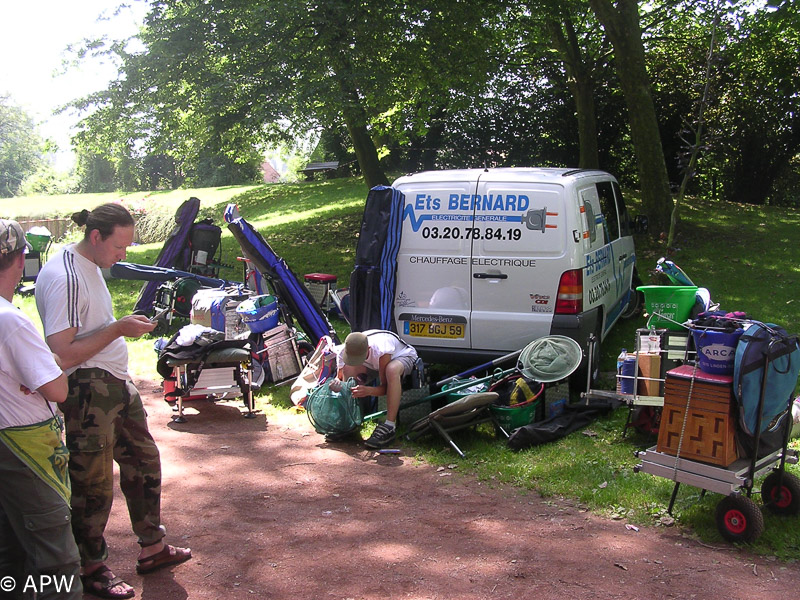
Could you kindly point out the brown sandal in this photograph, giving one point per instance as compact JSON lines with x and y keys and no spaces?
{"x":100,"y":583}
{"x":169,"y":556}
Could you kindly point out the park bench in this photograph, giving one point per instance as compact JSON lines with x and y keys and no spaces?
{"x":319,"y":167}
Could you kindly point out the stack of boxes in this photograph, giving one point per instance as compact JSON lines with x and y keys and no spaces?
{"x":282,"y":355}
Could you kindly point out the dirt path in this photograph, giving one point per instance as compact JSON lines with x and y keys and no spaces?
{"x":274,"y":512}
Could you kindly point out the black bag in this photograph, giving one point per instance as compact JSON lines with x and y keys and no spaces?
{"x":516,"y":389}
{"x":204,"y":242}
{"x":373,"y":280}
{"x":573,"y":418}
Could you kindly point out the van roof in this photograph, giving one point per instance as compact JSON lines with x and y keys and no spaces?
{"x":549,"y":174}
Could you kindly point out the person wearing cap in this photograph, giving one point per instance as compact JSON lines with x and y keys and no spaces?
{"x":380,"y":353}
{"x":35,"y":531}
{"x":105,"y":418}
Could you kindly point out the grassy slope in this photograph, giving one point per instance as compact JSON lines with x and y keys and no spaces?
{"x":66,"y":204}
{"x":737,"y":252}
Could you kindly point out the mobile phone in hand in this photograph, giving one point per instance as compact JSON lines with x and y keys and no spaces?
{"x":158,"y":315}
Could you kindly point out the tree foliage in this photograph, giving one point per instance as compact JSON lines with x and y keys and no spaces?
{"x":756,"y":125}
{"x":217,"y":73}
{"x":21,"y":147}
{"x":420,"y":85}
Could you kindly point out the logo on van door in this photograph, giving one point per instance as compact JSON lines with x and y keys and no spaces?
{"x":495,"y":203}
{"x":536,"y":220}
{"x":598,"y":260}
{"x":541,"y":303}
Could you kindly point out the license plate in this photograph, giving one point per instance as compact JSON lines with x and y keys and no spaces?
{"x":435,"y":330}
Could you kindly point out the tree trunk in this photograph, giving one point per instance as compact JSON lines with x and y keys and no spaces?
{"x":356,"y":121}
{"x":621,"y":24}
{"x":366,"y":153}
{"x":579,"y":79}
{"x":587,"y":125}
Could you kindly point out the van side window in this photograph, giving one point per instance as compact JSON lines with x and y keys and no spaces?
{"x":591,"y":222}
{"x":608,"y":206}
{"x":625,"y":223}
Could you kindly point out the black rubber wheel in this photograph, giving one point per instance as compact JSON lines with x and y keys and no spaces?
{"x":636,"y":300}
{"x":739,"y":519}
{"x":783,"y":499}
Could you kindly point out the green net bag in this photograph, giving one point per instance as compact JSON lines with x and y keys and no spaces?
{"x":334,"y":413}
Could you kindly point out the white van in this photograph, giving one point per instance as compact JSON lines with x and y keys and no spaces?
{"x":491,"y":259}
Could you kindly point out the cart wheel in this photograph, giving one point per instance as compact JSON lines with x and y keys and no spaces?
{"x":739,"y":519}
{"x":784,"y":499}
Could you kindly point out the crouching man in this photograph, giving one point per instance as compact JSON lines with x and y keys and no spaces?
{"x":377,"y":353}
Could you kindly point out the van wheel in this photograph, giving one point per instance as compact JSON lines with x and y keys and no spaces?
{"x":635,"y":300}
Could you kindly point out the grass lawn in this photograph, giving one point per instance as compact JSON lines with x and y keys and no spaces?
{"x":64,"y":205}
{"x":737,"y":252}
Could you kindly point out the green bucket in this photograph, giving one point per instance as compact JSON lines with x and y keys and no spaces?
{"x":669,"y":305}
{"x":512,"y":417}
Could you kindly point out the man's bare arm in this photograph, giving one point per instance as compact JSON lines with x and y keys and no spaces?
{"x":73,"y":351}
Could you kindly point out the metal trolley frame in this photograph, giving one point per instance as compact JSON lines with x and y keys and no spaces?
{"x":738,"y":517}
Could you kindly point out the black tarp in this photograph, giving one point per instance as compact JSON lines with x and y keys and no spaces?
{"x":574,"y":417}
{"x":372,"y":282}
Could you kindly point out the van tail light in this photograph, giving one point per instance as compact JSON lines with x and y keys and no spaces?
{"x":570,"y":293}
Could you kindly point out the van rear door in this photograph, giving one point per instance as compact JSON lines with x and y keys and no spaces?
{"x":519,"y":240}
{"x":432,"y":303}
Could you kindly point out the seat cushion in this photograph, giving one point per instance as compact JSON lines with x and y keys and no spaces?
{"x":465,"y":404}
{"x":222,"y":356}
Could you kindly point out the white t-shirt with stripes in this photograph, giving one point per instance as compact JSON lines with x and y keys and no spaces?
{"x":71,"y":292}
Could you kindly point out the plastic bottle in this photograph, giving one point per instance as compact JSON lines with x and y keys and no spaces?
{"x":620,"y":360}
{"x":673,"y":271}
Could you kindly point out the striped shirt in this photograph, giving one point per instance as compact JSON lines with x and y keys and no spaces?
{"x":71,"y":292}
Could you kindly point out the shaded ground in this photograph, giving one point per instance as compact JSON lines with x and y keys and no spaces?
{"x":275,"y":512}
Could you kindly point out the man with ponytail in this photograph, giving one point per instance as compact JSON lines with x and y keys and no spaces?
{"x":104,"y":416}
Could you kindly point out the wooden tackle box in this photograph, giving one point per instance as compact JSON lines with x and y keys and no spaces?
{"x":699,"y":407}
